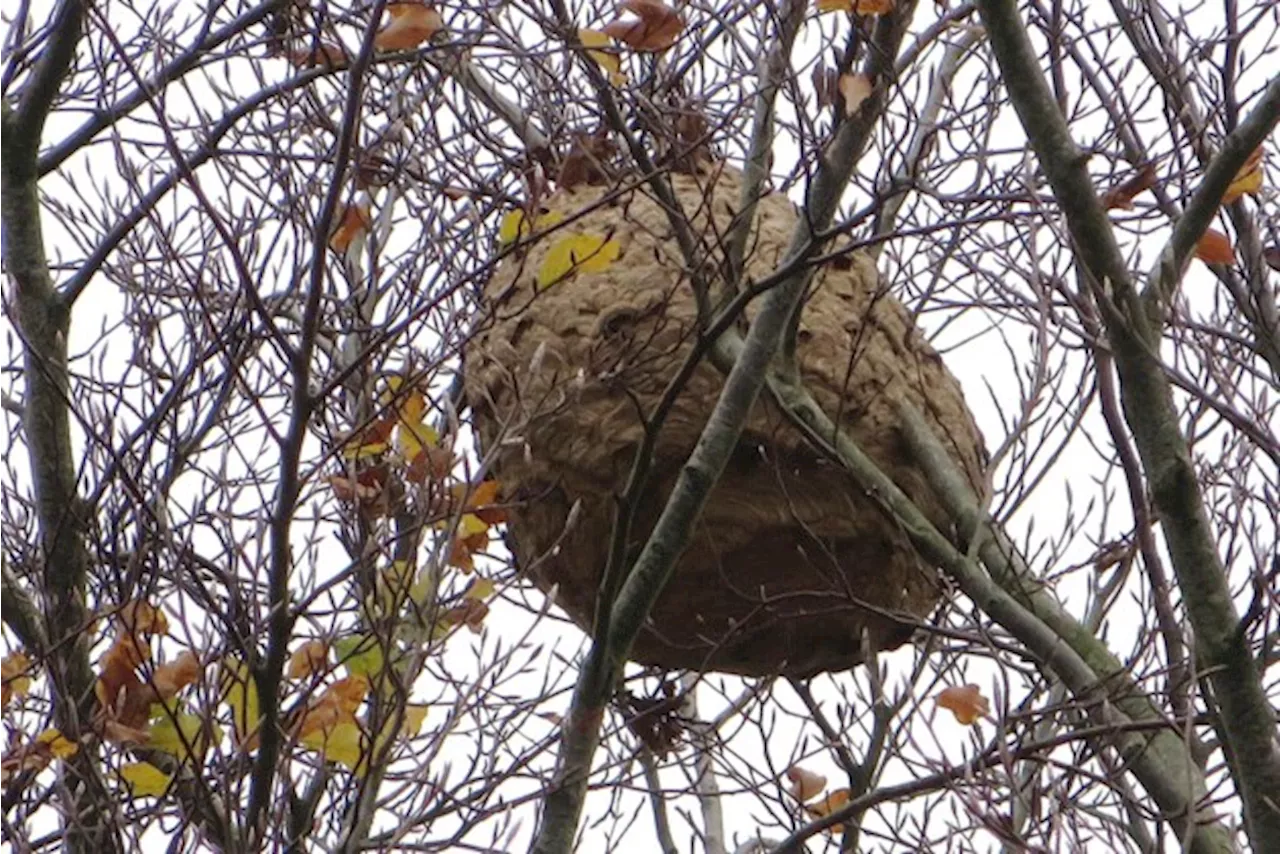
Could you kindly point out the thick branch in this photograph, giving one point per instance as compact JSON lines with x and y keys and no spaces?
{"x":654,"y":566}
{"x":1222,"y":642}
{"x":22,"y":615}
{"x":43,"y":323}
{"x":1163,"y":765}
{"x":773,"y":71}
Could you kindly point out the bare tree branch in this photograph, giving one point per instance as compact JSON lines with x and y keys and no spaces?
{"x":1222,"y":647}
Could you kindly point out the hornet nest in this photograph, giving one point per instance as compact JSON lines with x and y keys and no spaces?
{"x":791,"y":563}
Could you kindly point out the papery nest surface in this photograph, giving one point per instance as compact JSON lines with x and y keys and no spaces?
{"x":791,"y":565}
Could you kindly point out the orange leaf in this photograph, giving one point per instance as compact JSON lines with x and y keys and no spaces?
{"x":310,"y":658}
{"x":657,"y":28}
{"x":349,"y":693}
{"x":411,"y":24}
{"x":324,"y":53}
{"x":1215,"y":248}
{"x":1248,"y":180}
{"x":124,"y":702}
{"x":484,"y":495}
{"x":805,"y":784}
{"x":463,"y":549}
{"x":854,"y":88}
{"x":827,"y":806}
{"x":862,"y":7}
{"x":171,"y":678}
{"x":352,"y":226}
{"x":1122,"y":195}
{"x":141,"y":619}
{"x":338,"y":704}
{"x":874,"y":7}
{"x":965,"y":702}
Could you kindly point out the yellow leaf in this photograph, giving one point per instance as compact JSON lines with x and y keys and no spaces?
{"x":480,"y":590}
{"x":965,"y":702}
{"x":805,"y":784}
{"x":182,"y":734}
{"x":59,"y":745}
{"x":609,"y":61}
{"x":413,"y":407}
{"x":414,"y":715}
{"x":241,"y":694}
{"x":415,"y":436}
{"x":340,"y":743}
{"x":588,"y":253}
{"x":360,"y":452}
{"x":1248,"y":180}
{"x":510,"y":228}
{"x":470,"y":524}
{"x":827,"y":806}
{"x":15,"y":677}
{"x":515,"y":225}
{"x":423,"y":591}
{"x":145,"y":779}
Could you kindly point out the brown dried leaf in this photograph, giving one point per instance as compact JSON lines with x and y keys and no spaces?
{"x":470,"y":613}
{"x":1122,"y":195}
{"x":463,"y":549}
{"x":826,"y":83}
{"x":338,"y":704}
{"x":36,"y":756}
{"x":657,"y":28}
{"x":324,"y":53}
{"x":585,"y":163}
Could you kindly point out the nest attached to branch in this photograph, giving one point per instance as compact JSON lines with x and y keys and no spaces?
{"x":791,"y":564}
